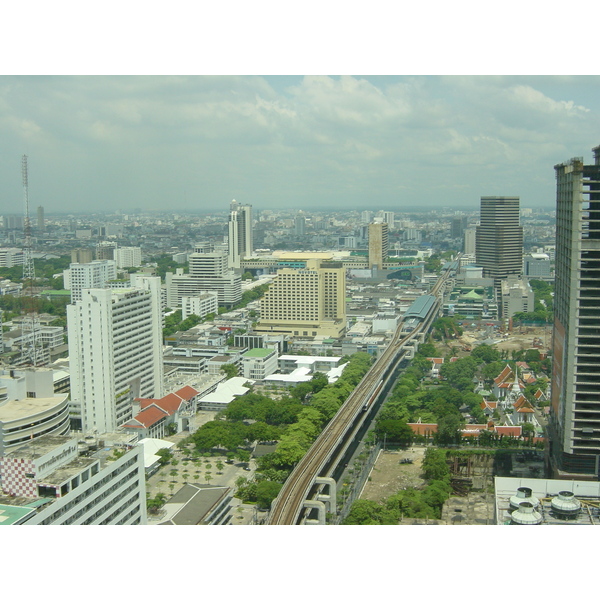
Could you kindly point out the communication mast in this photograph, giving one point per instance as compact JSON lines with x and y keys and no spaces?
{"x":31,"y":346}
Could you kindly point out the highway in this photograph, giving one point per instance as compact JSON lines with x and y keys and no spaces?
{"x":319,"y":461}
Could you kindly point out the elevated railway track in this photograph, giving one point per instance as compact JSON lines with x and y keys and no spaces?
{"x":291,"y":506}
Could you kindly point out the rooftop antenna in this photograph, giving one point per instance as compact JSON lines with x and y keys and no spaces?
{"x":31,"y":347}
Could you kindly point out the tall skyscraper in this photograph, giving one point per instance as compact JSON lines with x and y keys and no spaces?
{"x":115,"y":353}
{"x":378,"y":245}
{"x":40,"y":218}
{"x":240,"y":233}
{"x":306,"y":302}
{"x":499,"y":237}
{"x":300,"y":225}
{"x":575,"y":409}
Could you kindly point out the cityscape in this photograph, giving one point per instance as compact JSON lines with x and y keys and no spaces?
{"x":248,"y":362}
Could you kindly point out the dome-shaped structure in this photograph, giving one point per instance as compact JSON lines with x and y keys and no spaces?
{"x":565,"y":506}
{"x":526,"y":515}
{"x":524,"y":494}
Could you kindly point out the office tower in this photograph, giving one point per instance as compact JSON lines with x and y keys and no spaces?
{"x":378,"y":245}
{"x":240,"y":233}
{"x":366,"y":216}
{"x":95,"y":274}
{"x":469,"y":245}
{"x":457,"y":227}
{"x":299,"y":225}
{"x":499,"y":238}
{"x":306,"y":302}
{"x":128,"y":256}
{"x":575,"y":407}
{"x":115,"y":353}
{"x":499,"y":241}
{"x":40,"y":218}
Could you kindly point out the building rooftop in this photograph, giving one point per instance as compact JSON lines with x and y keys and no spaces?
{"x":258,"y":353}
{"x":25,"y":408}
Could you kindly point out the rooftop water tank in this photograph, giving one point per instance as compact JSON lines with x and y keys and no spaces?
{"x":526,"y":515}
{"x":565,"y":506}
{"x":524,"y":494}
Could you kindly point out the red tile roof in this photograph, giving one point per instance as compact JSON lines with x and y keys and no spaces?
{"x":504,"y":374}
{"x":423,"y":428}
{"x":187,"y":392}
{"x":510,"y":430}
{"x":146,"y":418}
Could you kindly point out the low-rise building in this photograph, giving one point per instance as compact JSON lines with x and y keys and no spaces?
{"x":29,"y":408}
{"x":259,"y":363}
{"x":71,"y":481}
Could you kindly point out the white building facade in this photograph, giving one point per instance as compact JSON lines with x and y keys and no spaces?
{"x":115,"y":350}
{"x":95,"y":274}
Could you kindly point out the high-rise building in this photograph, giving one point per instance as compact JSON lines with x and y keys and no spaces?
{"x":499,"y":237}
{"x":240,"y":233}
{"x":115,"y":353}
{"x":40,"y":218}
{"x":95,"y":274}
{"x":388,"y":217}
{"x":378,"y":245}
{"x":499,"y":241}
{"x":209,"y":271}
{"x":575,"y":407}
{"x":128,"y":256}
{"x":299,"y":225}
{"x":469,"y":244}
{"x":306,"y":302}
{"x":457,"y":227}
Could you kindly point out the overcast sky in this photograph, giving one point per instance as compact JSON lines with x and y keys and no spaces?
{"x":102,"y":143}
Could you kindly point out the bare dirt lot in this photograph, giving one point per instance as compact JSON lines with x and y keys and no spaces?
{"x":389,"y":475}
{"x":520,"y":338}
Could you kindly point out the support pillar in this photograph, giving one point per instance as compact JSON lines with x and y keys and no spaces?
{"x":331,"y":498}
{"x":320,"y":507}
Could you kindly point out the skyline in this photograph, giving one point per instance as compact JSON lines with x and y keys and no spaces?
{"x":194,"y":143}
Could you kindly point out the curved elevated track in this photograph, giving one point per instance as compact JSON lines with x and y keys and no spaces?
{"x":288,"y":507}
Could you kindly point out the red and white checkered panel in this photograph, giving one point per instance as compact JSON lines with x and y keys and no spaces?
{"x":14,"y":482}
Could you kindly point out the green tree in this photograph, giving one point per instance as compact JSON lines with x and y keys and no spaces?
{"x":266,"y":492}
{"x":394,"y":431}
{"x":165,"y":455}
{"x":230,"y":370}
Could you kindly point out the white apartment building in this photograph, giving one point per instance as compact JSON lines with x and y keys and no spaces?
{"x":115,"y":351}
{"x":95,"y":274}
{"x":200,"y":305}
{"x":81,"y":486}
{"x":128,"y":256}
{"x":240,"y":238}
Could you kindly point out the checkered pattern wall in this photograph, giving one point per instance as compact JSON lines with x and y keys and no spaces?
{"x":14,"y":481}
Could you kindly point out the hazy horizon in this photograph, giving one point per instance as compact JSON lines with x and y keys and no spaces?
{"x":101,"y":144}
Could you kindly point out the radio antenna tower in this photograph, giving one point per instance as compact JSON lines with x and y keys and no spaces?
{"x":31,"y":349}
